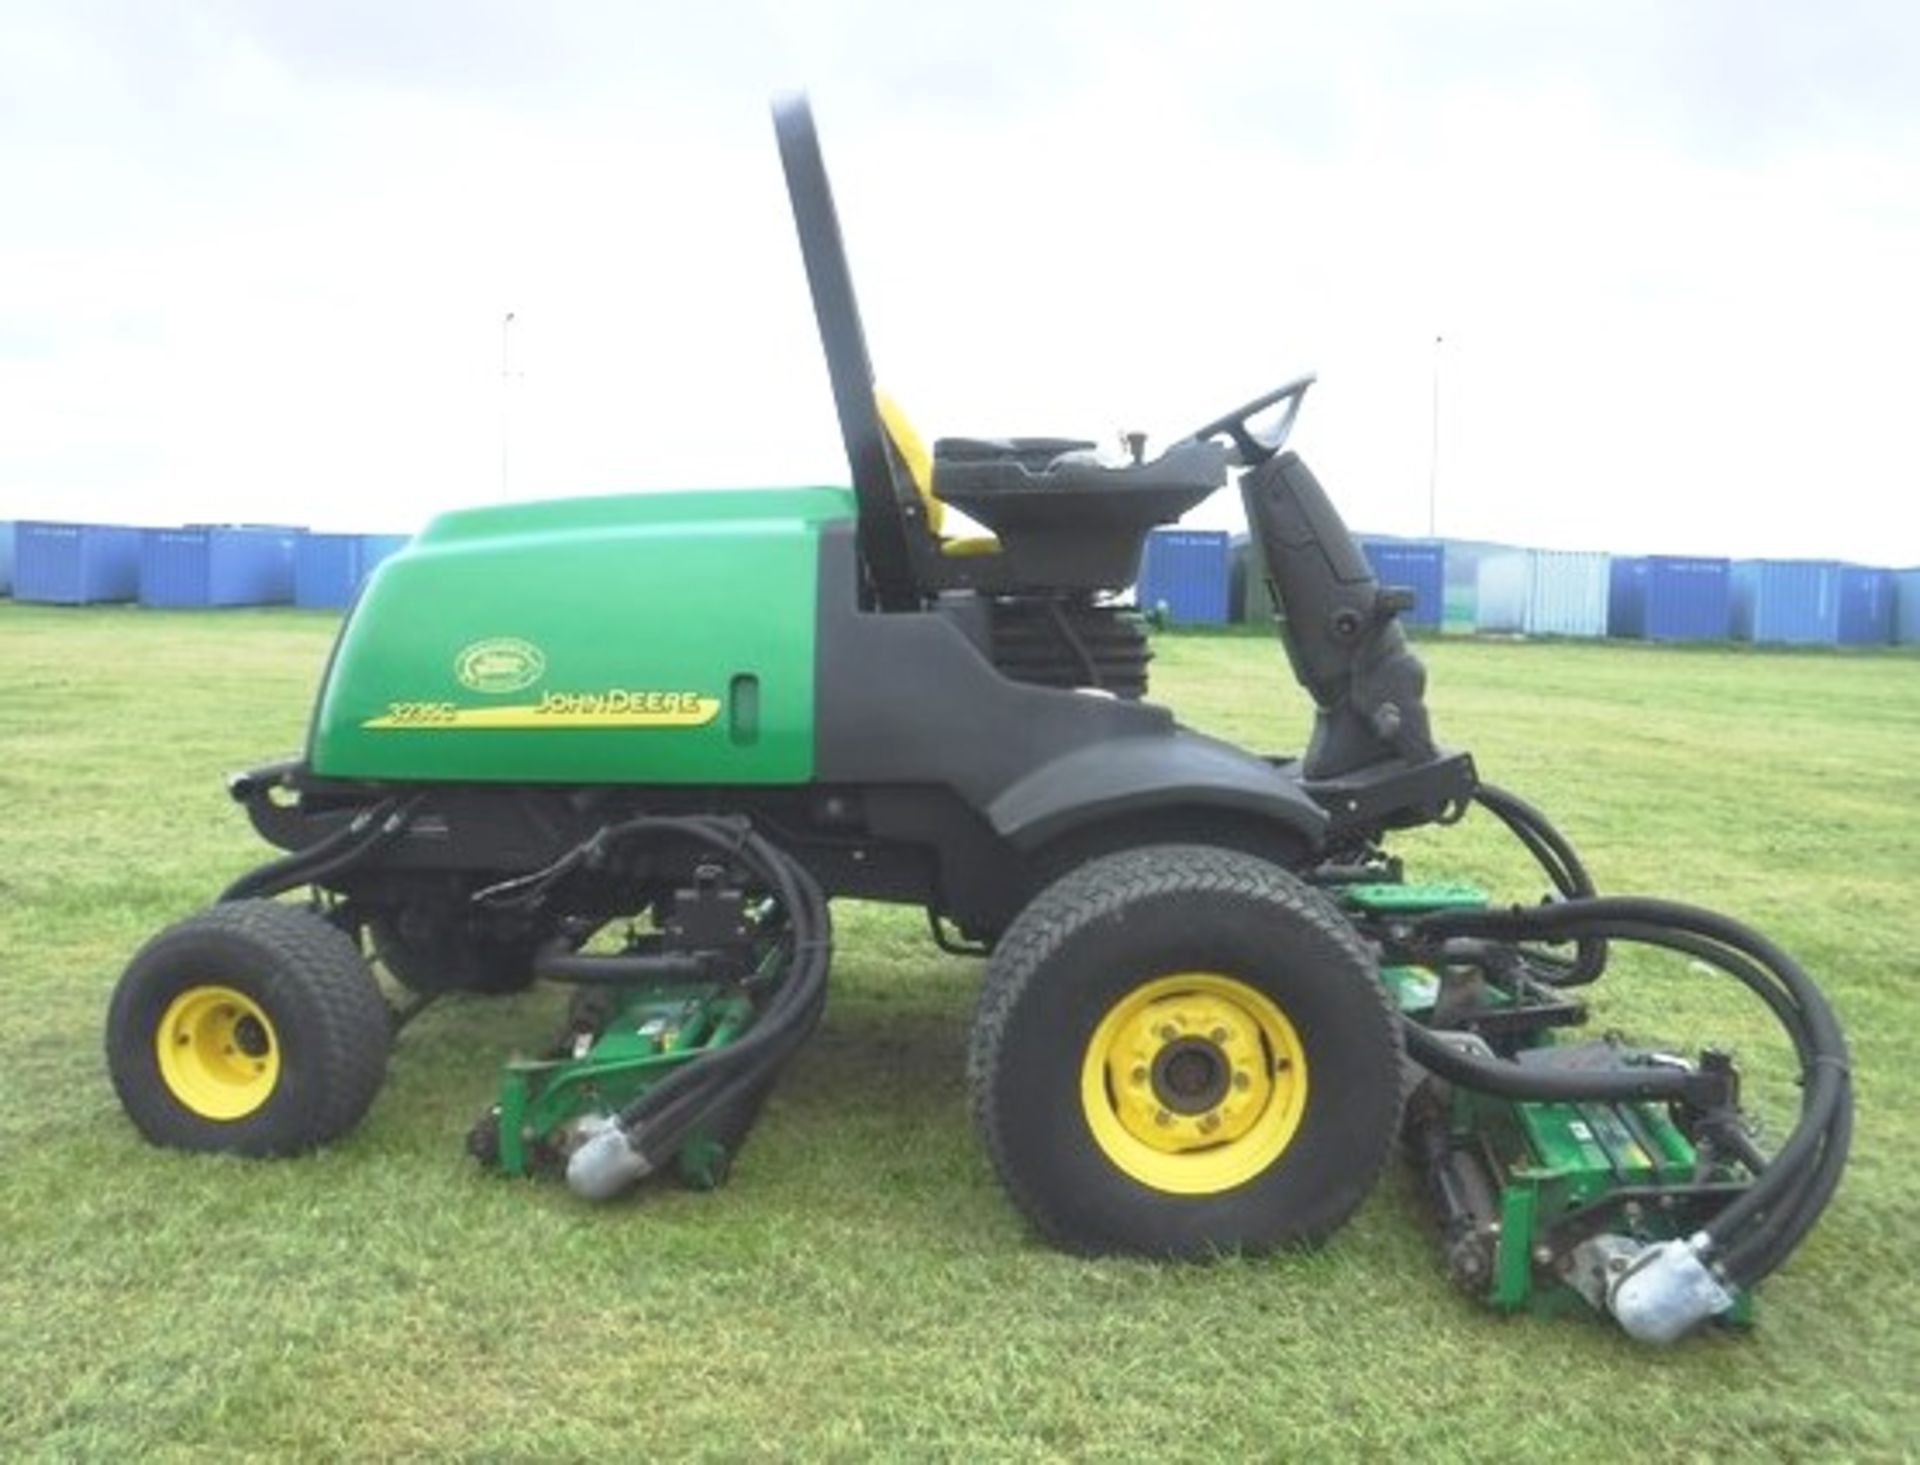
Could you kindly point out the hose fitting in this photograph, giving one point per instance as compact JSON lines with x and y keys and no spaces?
{"x":607,"y":1161}
{"x":1667,"y":1291}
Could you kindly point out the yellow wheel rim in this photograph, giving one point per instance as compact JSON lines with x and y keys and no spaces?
{"x":1194,"y":1083}
{"x":219,"y":1054}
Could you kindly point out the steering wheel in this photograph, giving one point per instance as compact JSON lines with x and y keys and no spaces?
{"x":1253,"y":443}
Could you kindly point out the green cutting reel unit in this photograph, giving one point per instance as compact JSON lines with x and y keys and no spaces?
{"x":556,"y":741}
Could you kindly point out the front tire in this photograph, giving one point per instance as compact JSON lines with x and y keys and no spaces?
{"x":253,"y":1028}
{"x":1182,"y":1050}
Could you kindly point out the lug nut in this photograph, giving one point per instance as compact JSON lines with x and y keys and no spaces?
{"x":1163,"y":1118}
{"x":1242,"y":1080}
{"x":1139,"y":1075}
{"x":1218,"y":1035}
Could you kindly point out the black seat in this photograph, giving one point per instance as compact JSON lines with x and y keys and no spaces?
{"x":1034,"y":453}
{"x":1066,"y":522}
{"x":1061,"y":521}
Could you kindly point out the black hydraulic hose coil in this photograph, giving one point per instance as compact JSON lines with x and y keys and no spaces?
{"x":660,"y":1121}
{"x":1755,"y":1231}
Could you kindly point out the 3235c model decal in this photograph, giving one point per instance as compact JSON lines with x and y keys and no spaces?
{"x":616,"y":707}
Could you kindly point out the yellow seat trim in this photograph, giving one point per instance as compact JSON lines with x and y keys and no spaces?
{"x":911,"y":449}
{"x":913,"y":454}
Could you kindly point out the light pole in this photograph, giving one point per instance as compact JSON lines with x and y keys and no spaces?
{"x":1433,"y":455}
{"x":506,"y":388}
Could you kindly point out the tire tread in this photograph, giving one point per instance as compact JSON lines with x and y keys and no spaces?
{"x":352,"y":1028}
{"x":1100,"y":889}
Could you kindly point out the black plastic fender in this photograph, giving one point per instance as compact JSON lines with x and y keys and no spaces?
{"x":1126,"y":777}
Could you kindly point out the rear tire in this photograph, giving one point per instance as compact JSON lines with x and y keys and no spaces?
{"x":1182,"y":1050}
{"x":252,"y":1028}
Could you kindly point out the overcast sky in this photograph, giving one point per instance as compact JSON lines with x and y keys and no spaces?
{"x":256,"y":256}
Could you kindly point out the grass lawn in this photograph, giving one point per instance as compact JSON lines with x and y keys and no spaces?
{"x":862,"y":1287}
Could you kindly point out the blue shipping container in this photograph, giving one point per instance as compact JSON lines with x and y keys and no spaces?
{"x":1419,"y":565}
{"x":1906,"y":606}
{"x":6,"y":557}
{"x":328,"y":568}
{"x":216,"y":566}
{"x":1866,"y":606}
{"x":1627,"y":596}
{"x":1187,"y":571}
{"x":1670,"y":597}
{"x":75,"y":564}
{"x":1792,"y":601}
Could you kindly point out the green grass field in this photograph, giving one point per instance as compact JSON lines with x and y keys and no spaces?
{"x":862,"y":1288}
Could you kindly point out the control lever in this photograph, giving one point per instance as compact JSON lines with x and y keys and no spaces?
{"x":1341,"y":629}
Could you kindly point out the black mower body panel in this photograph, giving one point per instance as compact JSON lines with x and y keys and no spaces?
{"x":1117,"y":781}
{"x":909,"y":699}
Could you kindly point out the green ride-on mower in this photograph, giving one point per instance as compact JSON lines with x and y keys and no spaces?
{"x":637,"y":744}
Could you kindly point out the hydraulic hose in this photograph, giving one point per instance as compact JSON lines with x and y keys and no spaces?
{"x":1555,"y":855}
{"x":1756,"y":1230}
{"x":659,"y":1122}
{"x":346,"y":846}
{"x":1507,"y":1080}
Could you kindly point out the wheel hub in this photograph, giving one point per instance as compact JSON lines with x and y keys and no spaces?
{"x":1191,"y":1075}
{"x":1194,"y":1082}
{"x":217,"y":1052}
{"x":1189,"y":1071}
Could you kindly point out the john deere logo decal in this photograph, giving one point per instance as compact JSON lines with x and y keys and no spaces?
{"x":499,"y":665}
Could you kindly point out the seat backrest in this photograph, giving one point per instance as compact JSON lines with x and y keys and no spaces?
{"x":885,"y":513}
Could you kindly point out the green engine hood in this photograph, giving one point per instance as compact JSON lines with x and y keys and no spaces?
{"x":644,"y":638}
